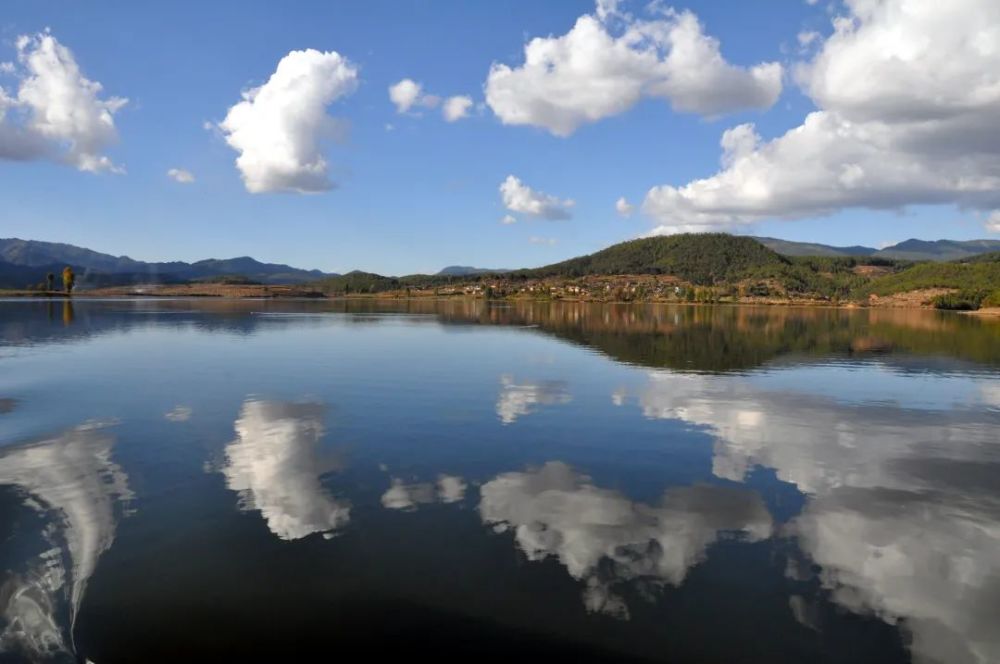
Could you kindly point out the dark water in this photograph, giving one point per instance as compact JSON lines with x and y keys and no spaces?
{"x":312,"y":481}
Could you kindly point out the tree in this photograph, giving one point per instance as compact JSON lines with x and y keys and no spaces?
{"x":50,"y":281}
{"x":69,"y":279}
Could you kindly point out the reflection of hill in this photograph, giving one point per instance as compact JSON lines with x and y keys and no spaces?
{"x":694,"y":338}
{"x":726,"y":338}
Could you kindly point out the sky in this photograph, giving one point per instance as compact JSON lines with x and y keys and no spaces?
{"x":402,"y":136}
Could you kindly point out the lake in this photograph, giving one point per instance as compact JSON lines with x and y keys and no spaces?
{"x":304,"y":480}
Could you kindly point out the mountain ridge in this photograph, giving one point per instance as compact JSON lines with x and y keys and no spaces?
{"x":25,"y":263}
{"x":24,"y":259}
{"x":911,"y":249}
{"x":465,"y":270}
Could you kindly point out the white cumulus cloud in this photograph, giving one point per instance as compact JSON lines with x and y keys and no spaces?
{"x":519,"y":197}
{"x":908,"y":97}
{"x":508,"y":219}
{"x":408,"y":93}
{"x":56,"y":112}
{"x":807,"y":37}
{"x":180,"y":175}
{"x":457,"y":107}
{"x":623,"y":207}
{"x":595,"y":71}
{"x":279,"y":128}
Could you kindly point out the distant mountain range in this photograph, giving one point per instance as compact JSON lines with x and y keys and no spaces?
{"x":914,"y":250}
{"x":26,"y":262}
{"x":465,"y":270}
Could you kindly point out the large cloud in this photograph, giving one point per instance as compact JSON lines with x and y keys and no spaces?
{"x":56,"y":112}
{"x":279,"y":128}
{"x":596,"y":70}
{"x":519,"y":197}
{"x":908,"y":93}
{"x":604,"y":539}
{"x":902,"y":502}
{"x":275,"y":464}
{"x":75,"y":486}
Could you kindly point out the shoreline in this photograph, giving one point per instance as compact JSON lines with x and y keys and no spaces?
{"x":293,"y":293}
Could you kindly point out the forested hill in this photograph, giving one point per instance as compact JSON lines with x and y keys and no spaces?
{"x":698,"y":258}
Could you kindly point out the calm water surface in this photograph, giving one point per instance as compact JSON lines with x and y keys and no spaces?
{"x":307,"y":480}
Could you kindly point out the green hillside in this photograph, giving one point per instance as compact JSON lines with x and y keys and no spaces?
{"x":970,"y":275}
{"x":357,"y":282}
{"x":703,"y":259}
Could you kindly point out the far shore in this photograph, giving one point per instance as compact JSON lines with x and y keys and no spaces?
{"x":909,"y":300}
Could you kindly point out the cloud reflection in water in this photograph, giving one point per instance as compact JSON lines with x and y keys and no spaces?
{"x":903,"y":510}
{"x":403,"y":496}
{"x":275,"y":465}
{"x":72,"y":483}
{"x":604,"y":539}
{"x":520,"y":399}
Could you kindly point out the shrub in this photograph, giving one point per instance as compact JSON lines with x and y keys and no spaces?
{"x":965,"y":300}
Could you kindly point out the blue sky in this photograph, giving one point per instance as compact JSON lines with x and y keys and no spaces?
{"x":414,"y":193}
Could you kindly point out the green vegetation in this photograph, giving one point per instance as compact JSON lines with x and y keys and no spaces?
{"x":690,"y":338}
{"x":965,"y":300}
{"x":357,"y":282}
{"x":992,"y":257}
{"x":969,"y":275}
{"x":704,"y":259}
{"x":710,"y":267}
{"x":227,"y":280}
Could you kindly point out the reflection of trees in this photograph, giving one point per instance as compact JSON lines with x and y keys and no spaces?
{"x":608,"y":541}
{"x":725,"y":338}
{"x":698,"y":338}
{"x":717,"y":338}
{"x":68,"y":314}
{"x":903,"y":510}
{"x":73,"y":484}
{"x":275,"y":465}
